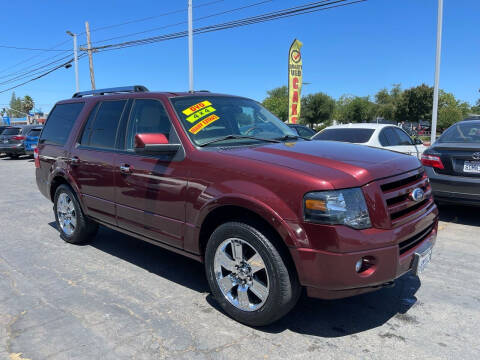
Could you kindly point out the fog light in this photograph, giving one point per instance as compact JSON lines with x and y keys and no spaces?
{"x":365,"y":265}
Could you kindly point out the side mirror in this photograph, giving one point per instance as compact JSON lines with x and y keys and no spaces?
{"x":154,"y":144}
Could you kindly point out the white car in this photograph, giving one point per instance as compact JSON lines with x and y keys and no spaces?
{"x":383,"y":136}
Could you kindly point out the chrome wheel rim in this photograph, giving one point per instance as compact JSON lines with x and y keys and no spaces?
{"x":241,"y":274}
{"x":67,"y":217}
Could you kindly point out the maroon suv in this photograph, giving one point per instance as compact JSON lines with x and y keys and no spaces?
{"x":220,"y":179}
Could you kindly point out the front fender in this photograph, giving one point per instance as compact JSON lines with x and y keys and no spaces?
{"x":275,"y":210}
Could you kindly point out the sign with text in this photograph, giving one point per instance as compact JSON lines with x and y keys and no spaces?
{"x":295,"y":75}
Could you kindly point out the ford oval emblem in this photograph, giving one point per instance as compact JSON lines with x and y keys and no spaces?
{"x":417,"y":195}
{"x":476,"y":156}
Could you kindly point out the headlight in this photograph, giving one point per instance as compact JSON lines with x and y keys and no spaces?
{"x":339,"y":207}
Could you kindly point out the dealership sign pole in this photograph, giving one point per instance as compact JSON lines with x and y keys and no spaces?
{"x":295,"y":75}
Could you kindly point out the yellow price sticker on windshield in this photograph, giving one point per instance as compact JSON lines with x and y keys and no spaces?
{"x":201,"y":113}
{"x":190,"y":110}
{"x":203,"y":123}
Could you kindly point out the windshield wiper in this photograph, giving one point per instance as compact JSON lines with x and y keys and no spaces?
{"x":291,"y":137}
{"x":232,"y":136}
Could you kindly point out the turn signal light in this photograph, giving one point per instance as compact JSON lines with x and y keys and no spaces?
{"x":37,"y":159}
{"x":18,"y":137}
{"x":433,"y":161}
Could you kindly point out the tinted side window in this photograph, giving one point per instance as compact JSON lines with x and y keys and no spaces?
{"x":305,"y":132}
{"x":147,"y":117}
{"x":104,"y":129}
{"x":383,"y":138}
{"x":392,"y":137}
{"x":404,"y":139}
{"x":60,"y":123}
{"x":87,"y":130}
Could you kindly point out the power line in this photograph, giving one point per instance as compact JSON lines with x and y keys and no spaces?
{"x":151,"y":17}
{"x":32,"y":57}
{"x":184,"y":22}
{"x":289,"y":12}
{"x":39,"y":76}
{"x":28,"y":48}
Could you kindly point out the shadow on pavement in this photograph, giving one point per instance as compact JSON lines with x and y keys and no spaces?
{"x":164,"y":263}
{"x":464,"y":215}
{"x":323,"y":318}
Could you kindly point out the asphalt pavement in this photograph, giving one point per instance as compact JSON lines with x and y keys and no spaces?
{"x":121,"y":298}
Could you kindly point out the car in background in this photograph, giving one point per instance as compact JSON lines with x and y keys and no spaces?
{"x":383,"y":136}
{"x":3,"y":127}
{"x":12,"y":140}
{"x":302,"y":130}
{"x":453,"y":164}
{"x":31,"y":140}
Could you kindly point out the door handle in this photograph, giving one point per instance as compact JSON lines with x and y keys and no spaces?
{"x":75,"y":160}
{"x":125,"y":168}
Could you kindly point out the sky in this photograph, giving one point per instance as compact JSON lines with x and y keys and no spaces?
{"x":356,"y":49}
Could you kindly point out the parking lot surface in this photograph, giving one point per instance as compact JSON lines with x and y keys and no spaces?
{"x":121,"y":298}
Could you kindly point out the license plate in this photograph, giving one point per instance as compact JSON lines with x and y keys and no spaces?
{"x":5,"y":141}
{"x":33,"y":146}
{"x":422,"y":260}
{"x":471,"y":166}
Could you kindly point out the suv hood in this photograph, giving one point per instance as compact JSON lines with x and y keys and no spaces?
{"x":341,"y":164}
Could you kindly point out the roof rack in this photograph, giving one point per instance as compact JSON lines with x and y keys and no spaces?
{"x":115,"y":90}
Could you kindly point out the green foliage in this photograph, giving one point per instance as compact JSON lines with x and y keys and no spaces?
{"x":415,"y":104}
{"x":449,"y":115}
{"x":317,"y":108}
{"x":387,"y":102}
{"x":476,"y":109}
{"x":277,"y":102}
{"x":354,"y":109}
{"x":21,"y":106}
{"x":27,"y":104}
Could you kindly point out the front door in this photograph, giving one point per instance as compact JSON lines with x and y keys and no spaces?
{"x":150,"y":190}
{"x":92,"y":160}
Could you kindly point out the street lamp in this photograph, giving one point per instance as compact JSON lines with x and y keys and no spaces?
{"x":75,"y":55}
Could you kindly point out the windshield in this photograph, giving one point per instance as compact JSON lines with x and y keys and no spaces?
{"x":350,"y":135}
{"x":467,"y":132}
{"x":206,"y":118}
{"x":11,"y":131}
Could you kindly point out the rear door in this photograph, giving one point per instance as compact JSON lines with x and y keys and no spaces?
{"x":92,"y":159}
{"x":150,"y":189}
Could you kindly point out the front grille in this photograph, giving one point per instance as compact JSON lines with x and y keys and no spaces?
{"x":396,"y":191}
{"x":408,"y":244}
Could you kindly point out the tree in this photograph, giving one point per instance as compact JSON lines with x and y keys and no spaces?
{"x":277,"y":102}
{"x":317,"y":108}
{"x":476,"y":109}
{"x":387,"y":102}
{"x":415,"y":104}
{"x":354,"y":109}
{"x":15,"y":104}
{"x":448,"y":116}
{"x":27,"y":104}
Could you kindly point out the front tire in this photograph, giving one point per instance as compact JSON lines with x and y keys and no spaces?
{"x":74,"y":227}
{"x":248,"y":276}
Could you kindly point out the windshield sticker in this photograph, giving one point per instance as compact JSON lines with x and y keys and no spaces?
{"x":190,"y":110}
{"x":201,"y":113}
{"x":203,"y":123}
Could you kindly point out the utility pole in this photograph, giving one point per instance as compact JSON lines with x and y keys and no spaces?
{"x":90,"y":59}
{"x":75,"y":56}
{"x":433,"y":135}
{"x":190,"y":46}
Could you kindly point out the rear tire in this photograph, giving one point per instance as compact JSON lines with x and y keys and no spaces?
{"x":248,"y":276}
{"x":73,"y":225}
{"x":13,"y":156}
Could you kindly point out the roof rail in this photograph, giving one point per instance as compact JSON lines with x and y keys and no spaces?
{"x":115,"y":90}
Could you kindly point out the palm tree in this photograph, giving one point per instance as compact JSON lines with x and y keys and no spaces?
{"x":28,"y":104}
